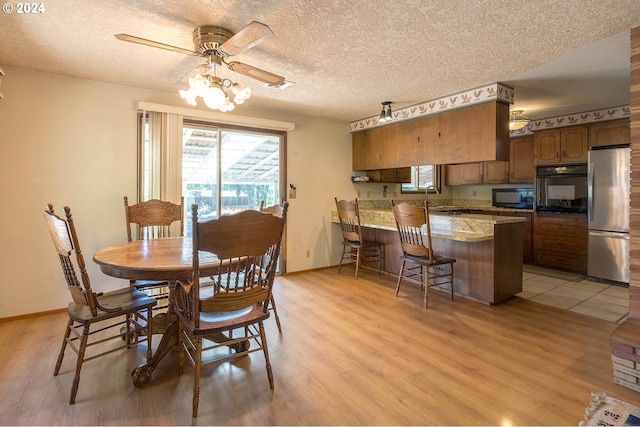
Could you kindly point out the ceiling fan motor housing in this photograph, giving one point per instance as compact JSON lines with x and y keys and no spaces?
{"x":207,"y":39}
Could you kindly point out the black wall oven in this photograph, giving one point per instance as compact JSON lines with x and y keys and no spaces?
{"x":561,"y":188}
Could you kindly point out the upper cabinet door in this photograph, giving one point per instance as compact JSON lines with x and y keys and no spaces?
{"x":463,"y":174}
{"x":566,"y":145}
{"x":547,"y":147}
{"x":495,"y":172}
{"x":574,"y":144}
{"x":412,"y":140}
{"x":522,"y":163}
{"x":374,"y":148}
{"x":477,"y":173}
{"x":615,"y":132}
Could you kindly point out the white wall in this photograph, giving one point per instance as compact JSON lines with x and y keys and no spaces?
{"x":73,"y":142}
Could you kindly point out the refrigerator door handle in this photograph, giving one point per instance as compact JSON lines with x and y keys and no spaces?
{"x":613,"y":235}
{"x":590,"y":190}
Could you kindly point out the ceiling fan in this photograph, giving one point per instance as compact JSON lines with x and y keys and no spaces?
{"x":217,"y":44}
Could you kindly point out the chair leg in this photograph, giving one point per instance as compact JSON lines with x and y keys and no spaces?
{"x":451,"y":266}
{"x":196,"y":382}
{"x":344,"y":249}
{"x":67,"y":332}
{"x":357,"y":261}
{"x":265,"y":350}
{"x":149,"y":331}
{"x":182,"y":349}
{"x":275,"y":313}
{"x":79,"y":361}
{"x":128,"y":330}
{"x":426,"y":286}
{"x":400,"y":277}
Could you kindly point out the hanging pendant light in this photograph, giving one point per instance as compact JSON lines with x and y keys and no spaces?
{"x":517,"y":120}
{"x":385,"y":116}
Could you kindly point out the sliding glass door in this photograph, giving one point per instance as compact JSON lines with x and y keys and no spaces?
{"x":229,"y":170}
{"x":223,"y":169}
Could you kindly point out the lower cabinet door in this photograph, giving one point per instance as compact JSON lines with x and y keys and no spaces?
{"x":561,"y":260}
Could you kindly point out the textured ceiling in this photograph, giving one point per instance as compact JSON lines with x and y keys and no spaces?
{"x":347,"y":56}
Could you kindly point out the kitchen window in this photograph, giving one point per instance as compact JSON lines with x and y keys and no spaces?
{"x":423,"y":178}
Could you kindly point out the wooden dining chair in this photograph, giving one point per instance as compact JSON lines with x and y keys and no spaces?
{"x":230,"y":313}
{"x":153,"y":219}
{"x":279,"y":211}
{"x":359,"y":250}
{"x":429,"y":269}
{"x":89,"y":308}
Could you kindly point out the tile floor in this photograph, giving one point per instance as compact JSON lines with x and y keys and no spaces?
{"x":575,"y":293}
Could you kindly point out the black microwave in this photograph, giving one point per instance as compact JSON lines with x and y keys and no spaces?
{"x":516,"y":198}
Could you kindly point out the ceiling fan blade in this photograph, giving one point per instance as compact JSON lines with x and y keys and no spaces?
{"x":256,"y":73}
{"x":251,"y":35}
{"x":201,"y":69}
{"x":138,"y":40}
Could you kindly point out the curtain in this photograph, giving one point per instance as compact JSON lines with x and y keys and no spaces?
{"x":163,"y":177}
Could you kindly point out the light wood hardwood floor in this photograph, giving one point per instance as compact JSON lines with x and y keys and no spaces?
{"x":350,"y":354}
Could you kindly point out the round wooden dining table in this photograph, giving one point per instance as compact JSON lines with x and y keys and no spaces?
{"x":164,"y":259}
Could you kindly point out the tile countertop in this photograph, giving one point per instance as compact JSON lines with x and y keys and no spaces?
{"x":460,"y":227}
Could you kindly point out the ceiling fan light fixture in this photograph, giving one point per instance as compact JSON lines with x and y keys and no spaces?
{"x":240,"y":93}
{"x":214,"y":97}
{"x":227,"y":105}
{"x":213,"y":91}
{"x":189,"y":95}
{"x":517,"y":120}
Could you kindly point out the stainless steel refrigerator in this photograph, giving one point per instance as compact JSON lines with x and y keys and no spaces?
{"x":608,"y":211}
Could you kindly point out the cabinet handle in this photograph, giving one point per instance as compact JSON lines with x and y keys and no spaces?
{"x":557,"y":154}
{"x":418,"y":139}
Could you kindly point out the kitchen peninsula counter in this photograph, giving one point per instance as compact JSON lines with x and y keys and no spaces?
{"x":488,"y":249}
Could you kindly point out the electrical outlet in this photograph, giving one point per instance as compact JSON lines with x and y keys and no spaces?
{"x":475,"y":193}
{"x":308,"y":254}
{"x":292,"y":193}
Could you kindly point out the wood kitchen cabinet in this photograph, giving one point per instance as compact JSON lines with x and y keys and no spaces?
{"x":395,"y":175}
{"x":374,"y":149}
{"x":566,"y":145}
{"x":527,"y":233}
{"x":522,"y":161}
{"x":560,"y":241}
{"x":477,"y":173}
{"x":473,"y":133}
{"x":519,"y":169}
{"x":615,"y":132}
{"x":527,"y":229}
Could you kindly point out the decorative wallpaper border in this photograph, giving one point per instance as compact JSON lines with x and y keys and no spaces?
{"x":493,"y":92}
{"x":606,"y":114}
{"x":490,"y":92}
